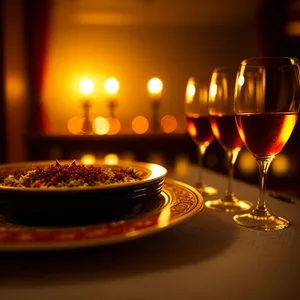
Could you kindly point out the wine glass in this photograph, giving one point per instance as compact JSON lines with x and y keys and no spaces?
{"x":266,"y":109}
{"x":222,"y":120}
{"x":196,"y":109}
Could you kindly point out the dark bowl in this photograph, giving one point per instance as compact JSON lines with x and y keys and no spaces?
{"x":73,"y":209}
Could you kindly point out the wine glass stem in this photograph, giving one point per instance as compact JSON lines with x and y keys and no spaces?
{"x":201,"y":152}
{"x":263,"y":165}
{"x":231,"y":156}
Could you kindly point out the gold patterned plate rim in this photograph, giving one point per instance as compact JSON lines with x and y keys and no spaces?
{"x":151,"y":174}
{"x":183,"y":202}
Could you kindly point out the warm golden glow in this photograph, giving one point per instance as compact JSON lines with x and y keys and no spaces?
{"x":241,"y":80}
{"x":100,"y":126}
{"x":241,"y":133}
{"x":155,"y":86}
{"x":192,"y":129}
{"x":292,"y":28}
{"x":213,"y":90}
{"x":164,"y":217}
{"x":88,"y":159}
{"x":247,"y":163}
{"x":114,"y":126}
{"x":140,"y":125}
{"x":86,"y":86}
{"x":75,"y":125}
{"x":182,"y":166}
{"x":281,"y":165}
{"x":112,"y":86}
{"x":215,"y":130}
{"x":287,"y":128}
{"x":240,"y":130}
{"x":111,"y":159}
{"x":190,"y":91}
{"x":156,"y":160}
{"x":168,"y":123}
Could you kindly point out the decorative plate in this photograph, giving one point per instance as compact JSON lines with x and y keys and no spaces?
{"x":176,"y":203}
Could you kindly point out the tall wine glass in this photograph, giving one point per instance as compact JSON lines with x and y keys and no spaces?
{"x":266,"y":109}
{"x":196,"y":109}
{"x":222,"y":120}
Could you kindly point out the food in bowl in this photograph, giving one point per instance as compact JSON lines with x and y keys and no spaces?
{"x":70,"y":176}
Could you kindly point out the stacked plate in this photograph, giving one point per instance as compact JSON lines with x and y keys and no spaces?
{"x":78,"y":206}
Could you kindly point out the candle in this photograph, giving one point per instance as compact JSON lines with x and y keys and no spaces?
{"x":112,"y":87}
{"x":155,"y":87}
{"x":86,"y":87}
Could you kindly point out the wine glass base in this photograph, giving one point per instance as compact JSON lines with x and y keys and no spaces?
{"x":228,"y":206}
{"x":206,"y":190}
{"x":268,"y":223}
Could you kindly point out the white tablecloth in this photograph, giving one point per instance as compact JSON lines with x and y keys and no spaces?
{"x":207,"y":257}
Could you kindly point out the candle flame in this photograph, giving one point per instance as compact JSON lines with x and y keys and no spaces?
{"x":155,"y":86}
{"x":86,"y":86}
{"x":112,"y":86}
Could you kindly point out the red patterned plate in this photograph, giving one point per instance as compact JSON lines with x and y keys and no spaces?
{"x":176,"y":203}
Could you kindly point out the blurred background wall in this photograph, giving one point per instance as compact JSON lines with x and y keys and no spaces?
{"x":134,"y":40}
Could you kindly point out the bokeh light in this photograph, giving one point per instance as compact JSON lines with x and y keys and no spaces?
{"x":155,"y":86}
{"x":247,"y":163}
{"x":111,"y":159}
{"x":140,"y":125}
{"x":112,"y":86}
{"x":75,"y":125}
{"x":114,"y":126}
{"x":281,"y":165}
{"x":168,"y":124}
{"x":86,"y":86}
{"x":181,"y":166}
{"x":100,"y":126}
{"x":88,"y":159}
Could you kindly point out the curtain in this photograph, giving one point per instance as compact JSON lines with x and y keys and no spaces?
{"x":2,"y":94}
{"x":37,"y":24}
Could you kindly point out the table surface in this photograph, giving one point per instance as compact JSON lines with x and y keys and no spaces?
{"x":207,"y":257}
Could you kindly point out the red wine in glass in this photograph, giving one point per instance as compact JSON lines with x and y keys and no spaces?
{"x":199,"y":128}
{"x":265,"y":134}
{"x":225,"y":130}
{"x":266,"y":105}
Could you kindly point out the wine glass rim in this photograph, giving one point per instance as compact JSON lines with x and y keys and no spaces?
{"x":294,"y":61}
{"x":225,"y":68}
